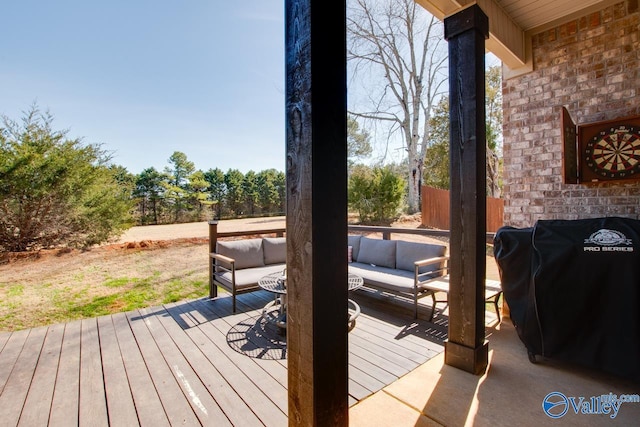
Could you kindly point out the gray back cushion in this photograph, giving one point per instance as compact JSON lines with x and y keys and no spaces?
{"x":409,"y":252}
{"x":354,"y":242}
{"x":377,"y":252}
{"x":275,"y":250}
{"x":247,"y":253}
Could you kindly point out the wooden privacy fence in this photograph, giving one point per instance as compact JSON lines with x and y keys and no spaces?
{"x":435,"y":210}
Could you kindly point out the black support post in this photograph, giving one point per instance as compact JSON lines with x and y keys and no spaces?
{"x":466,"y":32}
{"x":316,"y":213}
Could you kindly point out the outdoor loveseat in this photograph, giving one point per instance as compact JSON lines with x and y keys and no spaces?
{"x":398,"y":267}
{"x":407,"y":269}
{"x":237,"y":265}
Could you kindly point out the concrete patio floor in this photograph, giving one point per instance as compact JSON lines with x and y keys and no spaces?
{"x":510,"y":393}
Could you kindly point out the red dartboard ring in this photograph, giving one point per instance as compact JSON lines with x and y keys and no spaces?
{"x":614,"y":152}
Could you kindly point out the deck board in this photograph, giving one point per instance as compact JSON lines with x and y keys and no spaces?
{"x":202,"y":403}
{"x":175,"y":403}
{"x":66,"y":399}
{"x":38,"y":403}
{"x":221,"y":391}
{"x":10,"y":353}
{"x":383,"y":375}
{"x":93,"y":400}
{"x":364,"y":378}
{"x":259,"y":371}
{"x":404,"y":335}
{"x":398,"y":350}
{"x":188,"y":363}
{"x":120,"y":404}
{"x":4,"y":337}
{"x":252,"y":394}
{"x":245,"y":319}
{"x":146,"y":400}
{"x":15,"y":391}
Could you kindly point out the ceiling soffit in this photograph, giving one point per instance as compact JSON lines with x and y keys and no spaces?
{"x":513,"y":22}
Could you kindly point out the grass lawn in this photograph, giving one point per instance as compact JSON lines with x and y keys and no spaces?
{"x":64,"y":286}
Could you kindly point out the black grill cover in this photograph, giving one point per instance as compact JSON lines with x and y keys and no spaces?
{"x":573,"y":288}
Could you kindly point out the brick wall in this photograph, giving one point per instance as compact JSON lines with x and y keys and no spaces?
{"x":591,"y":65}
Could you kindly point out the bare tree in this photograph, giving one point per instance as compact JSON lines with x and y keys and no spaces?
{"x":436,"y":173}
{"x":402,"y":47}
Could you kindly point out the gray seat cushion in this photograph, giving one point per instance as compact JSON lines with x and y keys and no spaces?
{"x":248,"y":278}
{"x":384,"y":278}
{"x":275,"y":250}
{"x":407,"y":253}
{"x":354,"y":242}
{"x":377,"y":252}
{"x":247,"y":253}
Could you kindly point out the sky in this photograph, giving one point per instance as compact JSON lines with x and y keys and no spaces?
{"x":145,"y":78}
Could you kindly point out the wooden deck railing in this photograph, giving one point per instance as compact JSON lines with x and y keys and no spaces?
{"x":386,"y":232}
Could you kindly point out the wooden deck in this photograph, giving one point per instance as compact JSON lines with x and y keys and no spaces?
{"x":189,"y":363}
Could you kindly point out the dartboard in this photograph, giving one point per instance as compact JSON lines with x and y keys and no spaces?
{"x":614,"y":152}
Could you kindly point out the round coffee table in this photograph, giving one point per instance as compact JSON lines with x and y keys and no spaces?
{"x":355,"y":282}
{"x":276,"y":311}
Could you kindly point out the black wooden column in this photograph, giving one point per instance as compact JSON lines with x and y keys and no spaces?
{"x":466,"y":32}
{"x":316,"y":212}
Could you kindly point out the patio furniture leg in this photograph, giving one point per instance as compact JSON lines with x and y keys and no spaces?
{"x":433,"y":307}
{"x":354,"y":314}
{"x":213,"y":288}
{"x":495,"y":304}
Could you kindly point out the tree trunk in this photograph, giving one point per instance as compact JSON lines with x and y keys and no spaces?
{"x":415,"y":184}
{"x":397,"y":39}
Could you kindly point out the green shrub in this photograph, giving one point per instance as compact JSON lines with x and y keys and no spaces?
{"x":375,"y":193}
{"x":55,"y":191}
